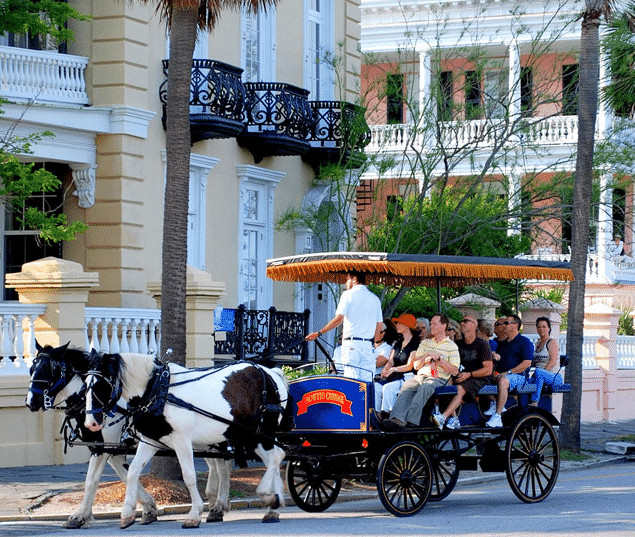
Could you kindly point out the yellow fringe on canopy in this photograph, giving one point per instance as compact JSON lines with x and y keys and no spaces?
{"x":404,"y":273}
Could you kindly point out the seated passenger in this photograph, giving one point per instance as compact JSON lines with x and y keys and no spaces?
{"x":388,"y":387}
{"x":477,"y":366}
{"x":546,"y":360}
{"x":516,"y":355}
{"x":434,"y":360}
{"x":423,"y":326}
{"x":382,"y":347}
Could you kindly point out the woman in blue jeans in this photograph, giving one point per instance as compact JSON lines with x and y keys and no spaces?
{"x":546,"y":360}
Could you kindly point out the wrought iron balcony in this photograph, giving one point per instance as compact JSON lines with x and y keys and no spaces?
{"x":279,"y":120}
{"x":339,"y":133}
{"x":217,"y":99}
{"x":266,"y":333}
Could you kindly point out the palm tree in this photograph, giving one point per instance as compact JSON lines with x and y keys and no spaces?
{"x":184,"y":18}
{"x":589,"y":69}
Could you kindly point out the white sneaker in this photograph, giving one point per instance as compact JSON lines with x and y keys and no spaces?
{"x":495,"y":421}
{"x":438,"y":419}
{"x":491,"y":410}
{"x":453,"y":423}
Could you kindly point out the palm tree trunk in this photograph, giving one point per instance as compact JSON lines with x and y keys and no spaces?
{"x":177,"y":187}
{"x":174,"y":259}
{"x":587,"y":113}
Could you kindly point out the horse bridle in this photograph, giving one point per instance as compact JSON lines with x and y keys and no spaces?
{"x":107,"y":407}
{"x":52,"y":387}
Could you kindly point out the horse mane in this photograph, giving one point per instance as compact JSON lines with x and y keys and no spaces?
{"x":135,"y":369}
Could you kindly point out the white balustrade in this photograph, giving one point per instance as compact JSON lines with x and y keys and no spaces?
{"x":113,"y":330}
{"x":42,"y":76}
{"x":625,"y":352}
{"x":17,"y":336}
{"x":483,"y":132}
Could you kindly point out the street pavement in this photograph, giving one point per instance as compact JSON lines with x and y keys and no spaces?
{"x":23,"y":488}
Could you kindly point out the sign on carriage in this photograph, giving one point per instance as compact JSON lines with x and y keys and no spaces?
{"x":330,"y":404}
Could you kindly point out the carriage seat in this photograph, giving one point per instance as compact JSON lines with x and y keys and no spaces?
{"x":488,"y":389}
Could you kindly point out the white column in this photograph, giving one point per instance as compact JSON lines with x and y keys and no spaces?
{"x":605,"y":227}
{"x":514,"y":200}
{"x":514,"y":81}
{"x":424,"y":83}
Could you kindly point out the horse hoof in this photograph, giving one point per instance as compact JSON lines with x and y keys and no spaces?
{"x":74,"y":523}
{"x":271,"y":518}
{"x":148,"y":518}
{"x":215,"y":516}
{"x":126,"y":522}
{"x":189,"y":523}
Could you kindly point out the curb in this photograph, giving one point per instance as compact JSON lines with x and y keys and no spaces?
{"x":255,"y":503}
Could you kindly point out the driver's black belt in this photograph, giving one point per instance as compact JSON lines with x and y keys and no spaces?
{"x":357,"y":339}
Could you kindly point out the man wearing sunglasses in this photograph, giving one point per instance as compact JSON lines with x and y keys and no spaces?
{"x":516,"y":354}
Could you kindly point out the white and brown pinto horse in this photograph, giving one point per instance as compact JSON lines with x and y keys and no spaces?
{"x":194,"y":409}
{"x":56,"y":375}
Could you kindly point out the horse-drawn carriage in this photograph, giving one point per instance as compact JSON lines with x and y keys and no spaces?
{"x":336,"y":433}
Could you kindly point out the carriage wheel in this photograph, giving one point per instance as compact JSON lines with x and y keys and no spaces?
{"x":533,"y":458}
{"x":311,"y":488}
{"x":404,"y":478}
{"x":445,"y":469}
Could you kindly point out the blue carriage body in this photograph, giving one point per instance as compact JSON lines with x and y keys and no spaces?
{"x":331,"y":404}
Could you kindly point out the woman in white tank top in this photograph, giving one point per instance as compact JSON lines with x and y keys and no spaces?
{"x":546,"y":360}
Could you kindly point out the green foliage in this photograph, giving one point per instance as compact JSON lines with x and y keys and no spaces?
{"x":555,"y":295}
{"x":625,"y":326}
{"x":293,"y":373}
{"x":619,"y":48}
{"x":38,"y":17}
{"x":449,"y":222}
{"x":19,"y":182}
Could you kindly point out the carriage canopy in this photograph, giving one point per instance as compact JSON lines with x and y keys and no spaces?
{"x":413,"y":270}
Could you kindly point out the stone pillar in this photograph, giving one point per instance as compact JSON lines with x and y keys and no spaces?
{"x":63,"y":286}
{"x":542,"y":307}
{"x":202,"y":295}
{"x":479,"y":306}
{"x":602,"y":321}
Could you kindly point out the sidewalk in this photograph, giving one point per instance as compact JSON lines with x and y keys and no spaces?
{"x":22,"y":488}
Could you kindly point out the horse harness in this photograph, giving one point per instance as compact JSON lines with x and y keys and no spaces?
{"x":157,"y":395}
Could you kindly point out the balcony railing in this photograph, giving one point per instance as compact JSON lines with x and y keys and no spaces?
{"x":113,"y":330}
{"x":245,"y":333}
{"x":217,"y":100}
{"x":42,"y":76}
{"x":401,"y":137}
{"x":279,"y":120}
{"x":339,"y":133}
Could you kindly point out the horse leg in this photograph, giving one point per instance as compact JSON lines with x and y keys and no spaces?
{"x":149,"y":509}
{"x":145,"y":452}
{"x":217,"y":489}
{"x":185,"y":454}
{"x":271,"y":488}
{"x":84,"y":513}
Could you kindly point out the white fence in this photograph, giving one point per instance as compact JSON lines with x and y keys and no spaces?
{"x":113,"y":330}
{"x":42,"y":76}
{"x":402,"y":137}
{"x":17,"y":336}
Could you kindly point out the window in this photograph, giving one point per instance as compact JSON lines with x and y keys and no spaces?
{"x":619,"y":212}
{"x":394,"y":98}
{"x":445,"y":104}
{"x":570,"y":79}
{"x":33,"y":42}
{"x":257,"y":192}
{"x":394,"y":207}
{"x":495,"y":96}
{"x":318,"y":47}
{"x":473,"y":109}
{"x":526,"y":91}
{"x":22,"y":245}
{"x":259,"y":46}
